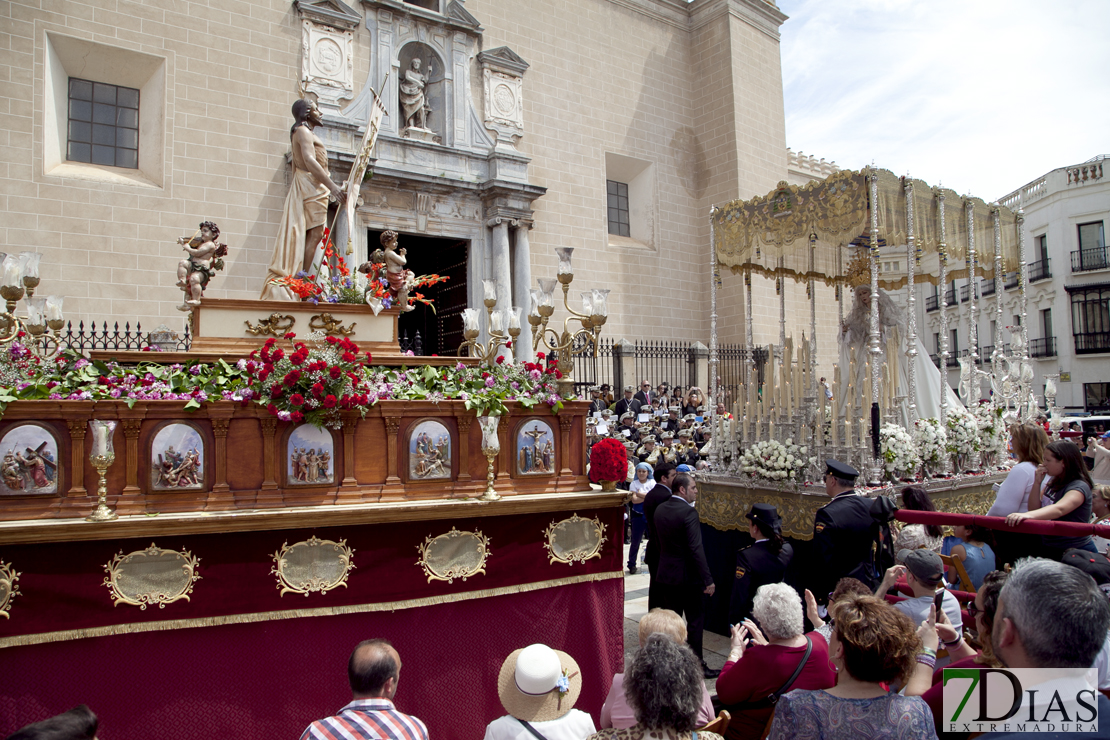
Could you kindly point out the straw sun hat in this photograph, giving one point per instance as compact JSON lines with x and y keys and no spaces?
{"x":529,"y":683}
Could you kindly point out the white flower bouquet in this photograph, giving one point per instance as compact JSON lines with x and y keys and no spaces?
{"x":931,"y":440}
{"x":900,"y":458}
{"x":777,"y":461}
{"x":963,"y":433}
{"x":993,"y":435}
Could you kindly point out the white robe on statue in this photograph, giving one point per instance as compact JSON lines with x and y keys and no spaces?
{"x":854,"y":368}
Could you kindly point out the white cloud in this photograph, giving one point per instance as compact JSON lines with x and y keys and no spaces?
{"x":983,"y":96}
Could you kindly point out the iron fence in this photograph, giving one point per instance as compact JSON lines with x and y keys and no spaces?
{"x":414,"y":345}
{"x":113,"y":338}
{"x":590,"y":370}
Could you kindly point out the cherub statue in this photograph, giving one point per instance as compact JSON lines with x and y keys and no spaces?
{"x":205,"y":260}
{"x":400,"y":280}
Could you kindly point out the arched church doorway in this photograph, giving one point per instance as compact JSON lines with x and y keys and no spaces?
{"x":440,"y":325}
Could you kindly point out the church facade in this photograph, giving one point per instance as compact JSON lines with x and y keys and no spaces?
{"x":513,"y":128}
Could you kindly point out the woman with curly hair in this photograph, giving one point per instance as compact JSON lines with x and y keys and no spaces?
{"x":664,"y":687}
{"x":872,"y":643}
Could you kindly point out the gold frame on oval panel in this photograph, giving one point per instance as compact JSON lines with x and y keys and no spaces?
{"x":455,"y":560}
{"x":342,"y":555}
{"x":9,"y":589}
{"x":124,"y":593}
{"x":576,"y":553}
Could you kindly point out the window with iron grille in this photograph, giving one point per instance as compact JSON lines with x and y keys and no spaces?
{"x":103,"y":124}
{"x":617,"y":196}
{"x":1090,"y":318}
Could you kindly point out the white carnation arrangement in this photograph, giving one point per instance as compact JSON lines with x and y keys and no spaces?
{"x":900,"y":458}
{"x":993,"y":435}
{"x":963,"y":433}
{"x":931,"y":440}
{"x":774,"y":460}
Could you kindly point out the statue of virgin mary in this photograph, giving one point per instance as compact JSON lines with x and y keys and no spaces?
{"x":854,"y":339}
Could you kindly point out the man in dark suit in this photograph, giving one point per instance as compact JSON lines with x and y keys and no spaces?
{"x":843,"y":533}
{"x":664,"y":475}
{"x":683,"y":571}
{"x":644,"y":395}
{"x":596,"y":402}
{"x":628,"y":403}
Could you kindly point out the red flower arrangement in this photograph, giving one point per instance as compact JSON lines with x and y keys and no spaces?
{"x":311,"y":384}
{"x":608,"y":461}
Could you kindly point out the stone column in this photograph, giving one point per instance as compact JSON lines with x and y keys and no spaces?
{"x":624,"y":366}
{"x":701,"y":372}
{"x":522,"y":282}
{"x":502,"y":270}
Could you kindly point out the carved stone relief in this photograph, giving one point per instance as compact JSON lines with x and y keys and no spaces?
{"x":327,"y":63}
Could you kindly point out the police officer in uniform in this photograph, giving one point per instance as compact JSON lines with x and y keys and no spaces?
{"x":843,"y":534}
{"x":596,"y":401}
{"x":764,"y":562}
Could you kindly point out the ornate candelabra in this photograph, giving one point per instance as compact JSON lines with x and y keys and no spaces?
{"x":102,"y":457}
{"x":503,"y":326}
{"x":491,"y":448}
{"x":1050,"y":405}
{"x":595,"y":311}
{"x":19,"y":276}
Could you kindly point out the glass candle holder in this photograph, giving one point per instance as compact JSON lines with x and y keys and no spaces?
{"x":36,"y":315}
{"x":566,"y":271}
{"x":547,"y":293}
{"x":30,"y":262}
{"x":491,"y":447}
{"x":12,"y":273}
{"x":489,"y":292}
{"x":601,"y":303}
{"x":514,"y":318}
{"x":54,"y":310}
{"x":102,"y":455}
{"x":497,"y":322}
{"x":587,"y":303}
{"x":470,"y":323}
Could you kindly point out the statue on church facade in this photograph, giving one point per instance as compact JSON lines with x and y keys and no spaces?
{"x":306,"y":206}
{"x":204,"y":261}
{"x":414,"y":103}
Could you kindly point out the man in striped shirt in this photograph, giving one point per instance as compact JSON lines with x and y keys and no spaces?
{"x":374,"y":669}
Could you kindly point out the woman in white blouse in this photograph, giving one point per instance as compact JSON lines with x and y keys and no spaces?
{"x":1027,"y":442}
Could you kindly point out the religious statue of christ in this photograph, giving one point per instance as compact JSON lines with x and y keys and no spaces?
{"x":306,"y":206}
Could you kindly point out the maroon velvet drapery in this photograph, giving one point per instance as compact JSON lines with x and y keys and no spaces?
{"x":270,"y":678}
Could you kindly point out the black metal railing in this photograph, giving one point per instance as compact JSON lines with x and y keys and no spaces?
{"x":952,"y":361}
{"x":1039,"y":270}
{"x":414,"y":345}
{"x":965,"y":293}
{"x":113,"y":338}
{"x":1012,"y":279}
{"x":950,"y":296}
{"x":590,"y":370}
{"x":986,"y":286}
{"x":732,"y":369}
{"x":1045,"y":347}
{"x":1088,"y":343}
{"x":1083,"y":260}
{"x":664,"y":361}
{"x":932,"y":303}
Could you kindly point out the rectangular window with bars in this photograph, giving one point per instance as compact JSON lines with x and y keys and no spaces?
{"x":103,"y":124}
{"x":617,"y":196}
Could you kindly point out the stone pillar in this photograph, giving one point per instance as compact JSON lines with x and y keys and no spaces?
{"x":699,"y":353}
{"x":502,"y":272}
{"x":522,"y":282}
{"x":624,"y":366}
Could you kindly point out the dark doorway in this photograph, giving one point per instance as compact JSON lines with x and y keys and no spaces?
{"x":437,"y":329}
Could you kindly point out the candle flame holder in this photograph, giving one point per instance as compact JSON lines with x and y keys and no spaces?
{"x":102,"y":457}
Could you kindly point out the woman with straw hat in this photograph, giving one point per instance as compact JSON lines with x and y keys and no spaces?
{"x":538,"y":687}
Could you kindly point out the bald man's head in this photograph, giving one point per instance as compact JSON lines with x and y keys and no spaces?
{"x":374,"y":669}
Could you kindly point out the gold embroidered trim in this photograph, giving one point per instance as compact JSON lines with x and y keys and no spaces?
{"x":323,"y":611}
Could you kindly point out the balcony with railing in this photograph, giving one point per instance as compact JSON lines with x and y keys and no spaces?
{"x":1039,"y":271}
{"x":1011,"y":280}
{"x":952,"y":361}
{"x":1083,"y":260}
{"x":986,"y":286}
{"x":950,"y":296}
{"x":965,"y":294}
{"x":1088,"y":343}
{"x":1044,"y":347}
{"x":932,"y":303}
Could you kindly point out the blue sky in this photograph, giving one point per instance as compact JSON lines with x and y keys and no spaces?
{"x":980,"y":95}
